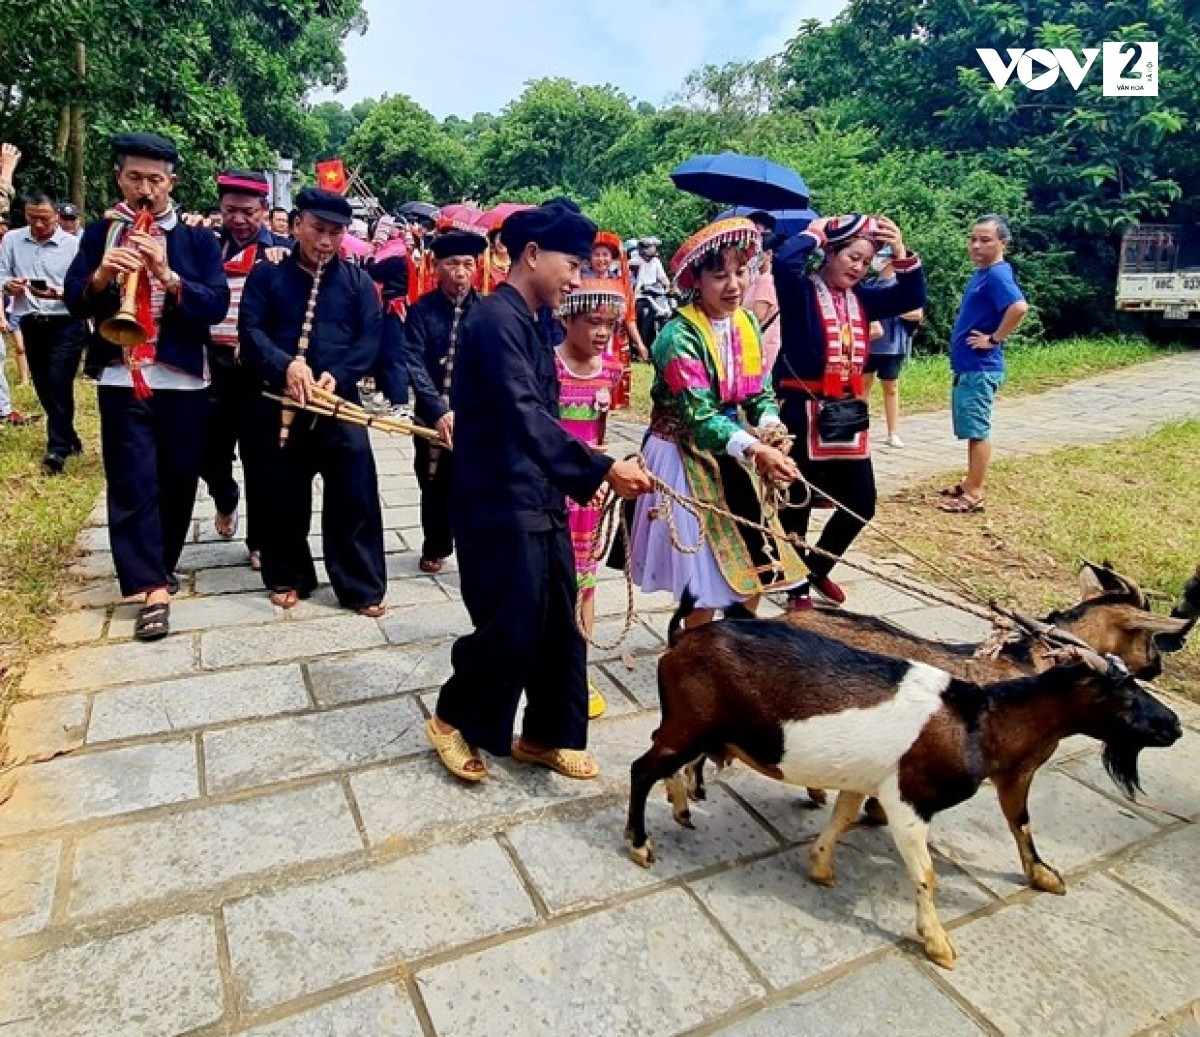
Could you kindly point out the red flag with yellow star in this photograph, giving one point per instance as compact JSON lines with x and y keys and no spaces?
{"x":331,"y":175}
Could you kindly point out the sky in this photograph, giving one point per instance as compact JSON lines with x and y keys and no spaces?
{"x":459,"y":57}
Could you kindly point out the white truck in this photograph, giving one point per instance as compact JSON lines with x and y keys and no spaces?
{"x":1159,"y":276}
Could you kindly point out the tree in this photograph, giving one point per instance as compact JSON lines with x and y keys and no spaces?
{"x":405,"y":155}
{"x":556,"y":135}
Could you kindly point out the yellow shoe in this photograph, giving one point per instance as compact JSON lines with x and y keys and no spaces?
{"x":596,"y":703}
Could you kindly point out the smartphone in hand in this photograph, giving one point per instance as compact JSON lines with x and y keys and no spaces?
{"x":38,"y":284}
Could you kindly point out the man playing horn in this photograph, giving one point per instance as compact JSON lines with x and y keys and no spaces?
{"x":314,"y":321}
{"x":159,"y":290}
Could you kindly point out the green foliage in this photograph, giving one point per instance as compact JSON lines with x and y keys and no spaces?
{"x":405,"y":155}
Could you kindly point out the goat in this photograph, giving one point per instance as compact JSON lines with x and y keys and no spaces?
{"x":809,"y":710}
{"x":1188,"y":606}
{"x":1112,"y":618}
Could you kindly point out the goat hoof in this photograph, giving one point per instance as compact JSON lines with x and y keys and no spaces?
{"x":697,"y":793}
{"x":941,"y":951}
{"x":818,"y":797}
{"x":1046,"y":879}
{"x":643,"y":855}
{"x":684,"y":818}
{"x":822,"y":876}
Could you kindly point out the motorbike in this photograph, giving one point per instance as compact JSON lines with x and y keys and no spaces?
{"x":654,"y":306}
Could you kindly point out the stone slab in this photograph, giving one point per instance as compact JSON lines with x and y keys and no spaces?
{"x":228,"y":581}
{"x":380,"y":1011}
{"x":1072,"y":827}
{"x":204,"y":613}
{"x":1170,"y":777}
{"x":193,"y":852}
{"x":641,"y":640}
{"x":786,"y":808}
{"x":793,"y":929}
{"x":283,"y":642}
{"x":80,"y":669}
{"x":446,"y":619}
{"x":72,"y":628}
{"x":420,"y":797}
{"x":889,"y":997}
{"x":379,"y":673}
{"x":306,"y":938}
{"x":95,"y":594}
{"x":40,"y":729}
{"x":580,"y":862}
{"x":27,"y":878}
{"x":638,"y":676}
{"x":162,"y":979}
{"x":212,"y":556}
{"x":192,"y":702}
{"x":103,"y":784}
{"x":1098,"y":962}
{"x":871,"y":597}
{"x":293,"y":747}
{"x":1165,"y":871}
{"x":653,"y":967}
{"x":943,"y":623}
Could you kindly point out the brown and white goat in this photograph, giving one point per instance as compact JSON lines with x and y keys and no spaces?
{"x":809,"y":710}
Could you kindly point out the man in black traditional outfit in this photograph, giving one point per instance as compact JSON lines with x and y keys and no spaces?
{"x":342,"y":342}
{"x":431,"y":344}
{"x":153,"y":403}
{"x":514,"y":467}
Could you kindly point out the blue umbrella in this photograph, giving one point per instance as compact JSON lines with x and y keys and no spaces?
{"x":787,"y":221}
{"x":742,"y":180}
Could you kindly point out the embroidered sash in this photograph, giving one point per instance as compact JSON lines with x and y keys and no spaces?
{"x":744,"y":377}
{"x":847,"y":340}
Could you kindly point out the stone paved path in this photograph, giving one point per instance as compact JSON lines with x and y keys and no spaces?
{"x":240,"y":830}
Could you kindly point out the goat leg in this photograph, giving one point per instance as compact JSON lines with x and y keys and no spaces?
{"x":641,"y":781}
{"x":911,"y":836}
{"x":694,"y":779}
{"x":820,"y":857}
{"x":1013,"y":792}
{"x":678,"y":797}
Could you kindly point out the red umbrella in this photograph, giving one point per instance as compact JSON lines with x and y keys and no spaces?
{"x":497,"y":214}
{"x":461,"y":216}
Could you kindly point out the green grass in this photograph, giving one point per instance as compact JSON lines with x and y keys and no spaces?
{"x":1133,"y":502}
{"x":1033,"y":368}
{"x":40,"y":518}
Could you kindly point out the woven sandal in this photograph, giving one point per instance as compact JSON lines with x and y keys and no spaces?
{"x":571,"y":763}
{"x":962,"y":505}
{"x":454,"y":752}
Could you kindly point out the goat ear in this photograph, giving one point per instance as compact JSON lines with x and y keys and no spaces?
{"x":1095,"y":580}
{"x":1169,"y":634}
{"x":1090,"y":585}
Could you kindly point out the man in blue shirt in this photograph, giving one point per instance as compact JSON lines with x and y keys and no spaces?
{"x":992,"y":309}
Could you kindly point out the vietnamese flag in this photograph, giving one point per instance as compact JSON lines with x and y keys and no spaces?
{"x":331,"y":175}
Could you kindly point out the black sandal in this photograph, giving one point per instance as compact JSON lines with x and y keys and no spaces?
{"x":153,"y":622}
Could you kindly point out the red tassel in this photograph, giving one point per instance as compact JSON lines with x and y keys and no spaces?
{"x":141,"y":388}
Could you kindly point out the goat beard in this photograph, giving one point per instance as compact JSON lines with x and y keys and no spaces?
{"x":1121,"y":762}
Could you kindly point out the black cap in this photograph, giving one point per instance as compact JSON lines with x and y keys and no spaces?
{"x":325,"y":205}
{"x":458,"y":243}
{"x":68,"y":211}
{"x":552,"y":226}
{"x":146,"y":145}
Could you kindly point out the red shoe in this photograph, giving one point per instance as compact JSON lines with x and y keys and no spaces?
{"x":828,"y":590}
{"x":799,"y":601}
{"x":17,"y":418}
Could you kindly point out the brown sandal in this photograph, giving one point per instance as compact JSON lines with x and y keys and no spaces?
{"x":432,"y":566}
{"x":372,"y":611}
{"x":571,"y":763}
{"x":962,"y":505}
{"x":285,"y":599}
{"x":454,"y":752}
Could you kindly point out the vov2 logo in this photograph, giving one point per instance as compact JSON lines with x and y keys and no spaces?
{"x":1129,"y":69}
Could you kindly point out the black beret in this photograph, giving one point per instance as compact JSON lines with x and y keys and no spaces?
{"x":325,"y":205}
{"x":458,"y":243}
{"x":146,"y":145}
{"x":552,"y":226}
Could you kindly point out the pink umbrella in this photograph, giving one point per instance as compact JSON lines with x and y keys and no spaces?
{"x":497,"y":214}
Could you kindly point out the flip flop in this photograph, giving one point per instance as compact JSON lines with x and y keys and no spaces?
{"x":285,"y":599}
{"x":433,"y":566}
{"x":571,"y":763}
{"x":372,"y":611}
{"x":454,"y":752}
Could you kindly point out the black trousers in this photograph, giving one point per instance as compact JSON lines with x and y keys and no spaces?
{"x":351,"y":520}
{"x":233,"y":393}
{"x":53,"y":346}
{"x":849,"y":482}
{"x":519,"y":589}
{"x":435,"y":500}
{"x":152,"y":450}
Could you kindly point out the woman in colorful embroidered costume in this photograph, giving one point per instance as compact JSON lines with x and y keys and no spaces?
{"x":825,"y":320}
{"x":708,"y":364}
{"x":588,"y":380}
